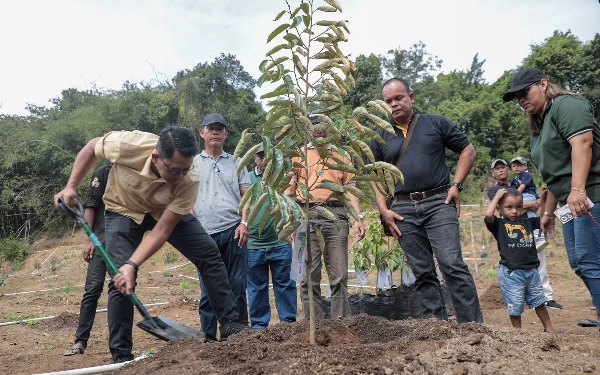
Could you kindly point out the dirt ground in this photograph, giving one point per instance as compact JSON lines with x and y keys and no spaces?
{"x":357,"y":345}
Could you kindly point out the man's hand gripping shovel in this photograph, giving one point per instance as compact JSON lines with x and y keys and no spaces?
{"x":161,"y":327}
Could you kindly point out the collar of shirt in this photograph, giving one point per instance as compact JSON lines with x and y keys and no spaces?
{"x":257,"y":171}
{"x":204,"y":154}
{"x":147,"y":170}
{"x":311,"y":147}
{"x":502,"y":184}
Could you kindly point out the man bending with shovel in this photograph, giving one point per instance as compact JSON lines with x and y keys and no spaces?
{"x":151,"y":187}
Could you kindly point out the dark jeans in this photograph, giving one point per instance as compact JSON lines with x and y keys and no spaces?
{"x":123,"y":236}
{"x":235,"y":260}
{"x":94,"y":283}
{"x":279,"y":260}
{"x":430,"y":227}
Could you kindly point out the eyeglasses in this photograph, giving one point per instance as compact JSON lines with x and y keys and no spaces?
{"x":176,"y":171}
{"x":522,"y":94}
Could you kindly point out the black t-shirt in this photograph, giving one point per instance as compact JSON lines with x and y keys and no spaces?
{"x":95,"y":201}
{"x":424,"y":164}
{"x":515,"y":242}
{"x":494,"y":189}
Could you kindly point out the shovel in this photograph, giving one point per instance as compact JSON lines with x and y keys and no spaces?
{"x":161,"y":327}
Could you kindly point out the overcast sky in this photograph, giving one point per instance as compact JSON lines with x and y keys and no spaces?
{"x":48,"y":46}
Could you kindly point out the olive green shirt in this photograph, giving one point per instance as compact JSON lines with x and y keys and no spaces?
{"x":567,"y":117}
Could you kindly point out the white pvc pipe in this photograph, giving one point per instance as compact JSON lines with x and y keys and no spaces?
{"x":172,"y":268}
{"x":189,"y":277}
{"x":54,"y":316}
{"x":95,"y":369}
{"x":37,"y":291}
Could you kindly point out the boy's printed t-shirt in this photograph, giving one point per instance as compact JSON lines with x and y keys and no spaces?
{"x":526,"y":178}
{"x":516,"y":242}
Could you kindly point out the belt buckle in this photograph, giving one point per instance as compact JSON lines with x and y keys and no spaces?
{"x":416,"y":196}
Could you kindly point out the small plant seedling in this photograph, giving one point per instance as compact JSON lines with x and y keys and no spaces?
{"x":183,"y":285}
{"x":491,"y":273}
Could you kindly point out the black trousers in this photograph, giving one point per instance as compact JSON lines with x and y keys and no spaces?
{"x":123,"y":236}
{"x":94,"y":283}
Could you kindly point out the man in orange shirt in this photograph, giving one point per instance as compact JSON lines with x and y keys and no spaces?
{"x":335,"y":252}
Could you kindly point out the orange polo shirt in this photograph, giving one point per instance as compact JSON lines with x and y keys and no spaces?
{"x":317,"y":173}
{"x":133,"y":190}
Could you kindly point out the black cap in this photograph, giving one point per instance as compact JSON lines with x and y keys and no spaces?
{"x":501,"y":161}
{"x":522,"y":79}
{"x":214,"y":118}
{"x":261,"y":149}
{"x":519,"y":159}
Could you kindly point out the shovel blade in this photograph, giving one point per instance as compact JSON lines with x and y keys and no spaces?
{"x":167,"y":329}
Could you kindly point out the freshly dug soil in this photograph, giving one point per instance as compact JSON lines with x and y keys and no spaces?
{"x":372,"y":345}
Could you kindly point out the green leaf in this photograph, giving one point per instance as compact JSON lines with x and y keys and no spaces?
{"x":263,"y":221}
{"x":273,"y":94}
{"x":279,"y":15}
{"x":326,"y":23}
{"x":247,"y":195}
{"x":280,"y":72}
{"x":296,"y":210}
{"x":366,"y":177}
{"x":266,"y":144}
{"x":320,"y":238}
{"x":274,"y":117}
{"x":382,"y":124}
{"x":285,"y":232}
{"x":326,"y":213}
{"x":272,"y":197}
{"x":288,"y":82}
{"x":277,"y":61}
{"x":247,"y":157}
{"x":323,"y":151}
{"x":261,"y":79}
{"x":306,"y":20}
{"x":262,"y":66}
{"x":330,"y":186}
{"x":355,"y":155}
{"x":274,"y":50}
{"x":296,"y":22}
{"x":257,"y":207}
{"x":277,"y":31}
{"x":305,"y":8}
{"x":295,"y":12}
{"x":374,"y":135}
{"x":244,"y":138}
{"x":342,"y":167}
{"x":366,"y":149}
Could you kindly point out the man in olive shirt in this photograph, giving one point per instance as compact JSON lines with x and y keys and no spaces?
{"x":151,"y":188}
{"x":266,"y":251}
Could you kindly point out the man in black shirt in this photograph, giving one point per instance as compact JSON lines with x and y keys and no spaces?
{"x":424,"y":213}
{"x":96,"y":272}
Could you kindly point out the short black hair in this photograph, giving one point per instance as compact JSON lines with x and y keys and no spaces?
{"x":176,"y":138}
{"x":510,"y":192}
{"x":401,"y":80}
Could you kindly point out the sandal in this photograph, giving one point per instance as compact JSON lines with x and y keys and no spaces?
{"x":588,"y":323}
{"x":78,"y":348}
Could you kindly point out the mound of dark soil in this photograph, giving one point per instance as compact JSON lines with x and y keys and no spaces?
{"x":64,"y":320}
{"x":370,"y":345}
{"x":491,"y":298}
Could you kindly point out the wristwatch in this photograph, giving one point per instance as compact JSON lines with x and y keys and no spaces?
{"x":244,"y":222}
{"x":458,"y":185}
{"x":132,"y":264}
{"x":361,"y":216}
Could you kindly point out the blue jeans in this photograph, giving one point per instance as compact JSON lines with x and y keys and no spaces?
{"x":582,"y":241}
{"x":279,"y":260}
{"x":235,"y":261}
{"x":430,"y":227}
{"x":520,"y":287}
{"x":537,"y":234}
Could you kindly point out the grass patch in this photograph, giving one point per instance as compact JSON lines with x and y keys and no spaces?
{"x":13,"y":250}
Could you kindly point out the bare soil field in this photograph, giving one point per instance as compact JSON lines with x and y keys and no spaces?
{"x":356,"y":345}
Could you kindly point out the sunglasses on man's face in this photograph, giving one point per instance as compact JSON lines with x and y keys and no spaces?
{"x":522,"y":94}
{"x":176,"y":171}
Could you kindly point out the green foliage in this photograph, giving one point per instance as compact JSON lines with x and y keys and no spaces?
{"x":170,"y":256}
{"x":376,"y":249}
{"x":491,"y":273}
{"x":183,"y":285}
{"x":13,"y":250}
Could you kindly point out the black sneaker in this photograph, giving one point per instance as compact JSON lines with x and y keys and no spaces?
{"x":231,"y":328}
{"x":552,"y":304}
{"x":121,"y":358}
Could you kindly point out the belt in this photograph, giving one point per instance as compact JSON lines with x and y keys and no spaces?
{"x":420,"y":195}
{"x":327,"y":204}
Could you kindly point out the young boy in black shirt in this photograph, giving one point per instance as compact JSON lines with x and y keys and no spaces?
{"x":517,"y":272}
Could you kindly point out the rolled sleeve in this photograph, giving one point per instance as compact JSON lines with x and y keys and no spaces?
{"x":243,"y":177}
{"x":454,"y":138}
{"x":573,"y":117}
{"x":184,"y":202}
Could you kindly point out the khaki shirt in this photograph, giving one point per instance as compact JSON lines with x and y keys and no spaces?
{"x":317,"y":173}
{"x":133,"y":189}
